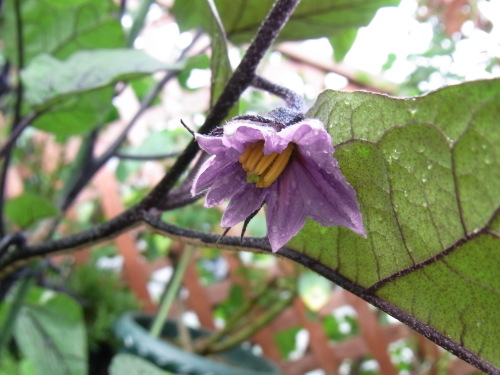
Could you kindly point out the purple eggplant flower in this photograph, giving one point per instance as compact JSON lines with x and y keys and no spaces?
{"x":292,"y":170}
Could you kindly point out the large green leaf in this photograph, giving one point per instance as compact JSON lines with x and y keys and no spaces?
{"x":79,"y":95}
{"x":78,"y":113}
{"x":334,"y":19}
{"x":426,"y":171}
{"x":60,"y":28}
{"x":84,"y":71}
{"x":51,"y":335}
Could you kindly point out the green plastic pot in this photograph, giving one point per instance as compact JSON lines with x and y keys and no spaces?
{"x":132,"y":329}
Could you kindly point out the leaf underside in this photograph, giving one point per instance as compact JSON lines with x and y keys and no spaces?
{"x":427,"y":175}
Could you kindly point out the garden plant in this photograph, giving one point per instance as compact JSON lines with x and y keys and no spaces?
{"x":395,"y":199}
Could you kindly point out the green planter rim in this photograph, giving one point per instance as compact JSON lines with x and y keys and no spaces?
{"x":132,"y":330}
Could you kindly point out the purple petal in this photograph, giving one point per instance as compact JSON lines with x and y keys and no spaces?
{"x":212,"y":145}
{"x":313,"y":142}
{"x":329,"y":199}
{"x":224,"y":188}
{"x":213,"y":169}
{"x":238,"y":135}
{"x":285,"y":213}
{"x":243,"y":205}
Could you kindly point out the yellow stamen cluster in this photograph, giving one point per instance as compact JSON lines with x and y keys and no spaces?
{"x":264,"y":169}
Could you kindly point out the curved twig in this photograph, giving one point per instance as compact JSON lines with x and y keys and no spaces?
{"x":291,"y":98}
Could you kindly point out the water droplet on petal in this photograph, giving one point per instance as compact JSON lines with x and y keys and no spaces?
{"x":406,"y":193}
{"x":274,"y":229}
{"x":395,"y":154}
{"x":308,"y":202}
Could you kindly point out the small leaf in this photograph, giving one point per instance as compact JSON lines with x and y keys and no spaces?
{"x":51,"y":335}
{"x":193,"y":62}
{"x":25,"y":209}
{"x":286,"y":341}
{"x":342,"y":42}
{"x":84,"y":71}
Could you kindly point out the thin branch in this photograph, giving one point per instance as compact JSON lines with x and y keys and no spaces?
{"x":181,"y":196}
{"x":197,"y":238}
{"x":123,"y":7}
{"x":22,"y":124}
{"x":291,"y":98}
{"x":107,"y":230}
{"x":86,"y":161}
{"x":138,"y":22}
{"x":169,"y":155}
{"x":240,"y":80}
{"x":382,"y":87}
{"x":120,"y":224}
{"x":17,"y":109}
{"x":17,"y":239}
{"x":146,"y":102}
{"x":178,"y":199}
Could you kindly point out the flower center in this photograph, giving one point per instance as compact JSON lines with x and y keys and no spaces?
{"x":262,"y":169}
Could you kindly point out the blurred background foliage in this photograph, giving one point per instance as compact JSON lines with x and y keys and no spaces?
{"x":101,"y":93}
